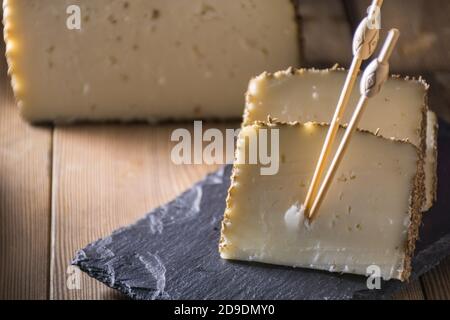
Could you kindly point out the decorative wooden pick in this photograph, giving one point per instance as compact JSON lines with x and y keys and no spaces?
{"x":365,"y":42}
{"x":372,"y":80}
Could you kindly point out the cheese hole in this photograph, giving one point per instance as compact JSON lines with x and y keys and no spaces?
{"x":156,"y":14}
{"x":112,"y":19}
{"x":112,"y":60}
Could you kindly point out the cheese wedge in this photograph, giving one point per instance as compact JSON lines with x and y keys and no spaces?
{"x":369,"y":217}
{"x":143,"y":59}
{"x":399,"y":111}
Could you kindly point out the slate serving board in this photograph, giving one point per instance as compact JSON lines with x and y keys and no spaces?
{"x":172,"y":253}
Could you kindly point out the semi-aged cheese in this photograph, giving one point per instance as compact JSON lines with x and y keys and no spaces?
{"x":357,"y":227}
{"x":143,"y":59}
{"x":399,"y":111}
{"x":311,"y":95}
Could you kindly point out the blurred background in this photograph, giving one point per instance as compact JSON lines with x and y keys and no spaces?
{"x":423,"y":48}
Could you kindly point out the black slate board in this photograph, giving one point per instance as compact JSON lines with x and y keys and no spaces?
{"x":172,"y":253}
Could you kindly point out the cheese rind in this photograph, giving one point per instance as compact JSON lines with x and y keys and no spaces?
{"x":399,"y":111}
{"x":143,"y":59}
{"x":357,"y":226}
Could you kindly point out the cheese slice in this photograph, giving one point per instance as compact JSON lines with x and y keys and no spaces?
{"x":399,"y":111}
{"x":143,"y":59}
{"x":370,"y":216}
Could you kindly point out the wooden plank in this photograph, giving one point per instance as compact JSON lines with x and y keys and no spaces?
{"x":97,"y":172}
{"x":326,"y":33}
{"x":25,"y":175}
{"x":105,"y":177}
{"x":424,"y":44}
{"x":436,"y":283}
{"x":412,"y":291}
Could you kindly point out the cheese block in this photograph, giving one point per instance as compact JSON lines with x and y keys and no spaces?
{"x":370,"y":216}
{"x":399,"y":111}
{"x":143,"y":59}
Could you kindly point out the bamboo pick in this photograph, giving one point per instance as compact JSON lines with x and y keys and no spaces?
{"x":365,"y":42}
{"x":372,"y":80}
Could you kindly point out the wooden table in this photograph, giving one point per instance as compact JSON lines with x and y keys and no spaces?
{"x":63,"y":187}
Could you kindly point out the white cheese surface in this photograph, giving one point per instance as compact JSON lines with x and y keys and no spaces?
{"x":144,"y":59}
{"x":398,"y":111}
{"x":311,"y":95}
{"x":363,"y":220}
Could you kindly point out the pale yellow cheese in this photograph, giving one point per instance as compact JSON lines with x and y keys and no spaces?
{"x":399,"y":111}
{"x":369,"y":217}
{"x":143,"y":59}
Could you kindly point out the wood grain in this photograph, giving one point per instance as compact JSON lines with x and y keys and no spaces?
{"x":436,"y":283}
{"x":411,"y":291}
{"x":108,"y":176}
{"x":25,"y":170}
{"x":105,"y":177}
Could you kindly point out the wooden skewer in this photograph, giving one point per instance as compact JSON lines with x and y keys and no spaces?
{"x":365,"y":41}
{"x":372,"y":80}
